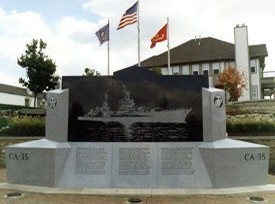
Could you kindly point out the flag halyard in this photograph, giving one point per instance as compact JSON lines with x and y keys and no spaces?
{"x":129,"y":17}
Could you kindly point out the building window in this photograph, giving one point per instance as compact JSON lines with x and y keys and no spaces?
{"x":176,"y":70}
{"x":205,"y":69}
{"x":253,"y":69}
{"x":205,"y":72}
{"x":216,"y":68}
{"x":185,"y":70}
{"x":216,"y":71}
{"x":254,"y":92}
{"x":195,"y":69}
{"x":227,"y":64}
{"x":164,"y":71}
{"x":222,"y":66}
{"x":253,"y":66}
{"x":233,"y":64}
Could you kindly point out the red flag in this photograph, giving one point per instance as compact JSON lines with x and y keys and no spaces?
{"x":160,"y":36}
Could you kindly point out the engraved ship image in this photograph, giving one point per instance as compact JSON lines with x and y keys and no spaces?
{"x":128,"y":113}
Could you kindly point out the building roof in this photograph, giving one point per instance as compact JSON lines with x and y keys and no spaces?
{"x":202,"y":50}
{"x":4,"y":88}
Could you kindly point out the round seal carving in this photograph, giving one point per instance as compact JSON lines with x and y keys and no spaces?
{"x":104,"y":36}
{"x":218,"y":101}
{"x":52,"y":102}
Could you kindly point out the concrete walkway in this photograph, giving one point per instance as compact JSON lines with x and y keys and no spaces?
{"x":43,"y":195}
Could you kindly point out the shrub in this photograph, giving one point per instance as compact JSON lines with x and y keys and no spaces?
{"x":3,"y":122}
{"x":11,"y":107}
{"x":26,"y":126}
{"x":251,"y":124}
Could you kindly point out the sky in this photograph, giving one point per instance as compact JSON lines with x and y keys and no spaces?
{"x":68,"y":27}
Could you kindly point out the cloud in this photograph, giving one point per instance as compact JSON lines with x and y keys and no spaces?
{"x":72,"y":43}
{"x":17,"y":28}
{"x":8,"y":79}
{"x":78,"y":30}
{"x":76,"y":47}
{"x":107,"y":8}
{"x":18,"y":25}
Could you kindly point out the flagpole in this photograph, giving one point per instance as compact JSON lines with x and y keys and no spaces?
{"x":138,"y":28}
{"x":108,"y":48}
{"x":168,"y":46}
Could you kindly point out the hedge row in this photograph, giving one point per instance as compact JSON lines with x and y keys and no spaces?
{"x":255,"y":124}
{"x":12,"y":107}
{"x":251,"y":124}
{"x":27,"y":126}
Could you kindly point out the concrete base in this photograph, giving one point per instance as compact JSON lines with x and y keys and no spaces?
{"x":233,"y":163}
{"x":38,"y":162}
{"x":270,"y":188}
{"x":220,"y":164}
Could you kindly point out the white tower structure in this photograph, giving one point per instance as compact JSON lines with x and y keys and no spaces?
{"x":242,"y":57}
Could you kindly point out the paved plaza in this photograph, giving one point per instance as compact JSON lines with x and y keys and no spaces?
{"x":40,"y":195}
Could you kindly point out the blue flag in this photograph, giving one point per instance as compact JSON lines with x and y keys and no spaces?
{"x":103,"y":34}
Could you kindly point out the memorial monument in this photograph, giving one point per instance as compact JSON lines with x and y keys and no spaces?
{"x":137,"y":130}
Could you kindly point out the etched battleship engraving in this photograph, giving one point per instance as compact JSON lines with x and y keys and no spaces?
{"x":128,"y":113}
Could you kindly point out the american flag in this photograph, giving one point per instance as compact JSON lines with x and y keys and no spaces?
{"x":129,"y":17}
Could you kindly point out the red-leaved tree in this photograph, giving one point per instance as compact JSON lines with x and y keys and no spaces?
{"x":232,"y":81}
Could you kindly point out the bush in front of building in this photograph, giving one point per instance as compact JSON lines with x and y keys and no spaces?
{"x":251,"y":124}
{"x":26,"y":126}
{"x":3,"y":122}
{"x":11,"y":107}
{"x":238,"y":125}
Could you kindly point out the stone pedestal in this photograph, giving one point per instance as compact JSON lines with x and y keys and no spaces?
{"x":217,"y":162}
{"x":214,"y":118}
{"x":220,"y":164}
{"x":39,"y":163}
{"x":57,"y":113}
{"x":232,"y":163}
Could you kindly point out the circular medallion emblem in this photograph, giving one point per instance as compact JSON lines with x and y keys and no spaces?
{"x":218,"y":101}
{"x":103,"y":36}
{"x":52,"y":102}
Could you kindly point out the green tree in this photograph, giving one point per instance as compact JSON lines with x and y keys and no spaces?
{"x":157,"y":70}
{"x":90,"y":72}
{"x":40,"y":69}
{"x":232,"y":81}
